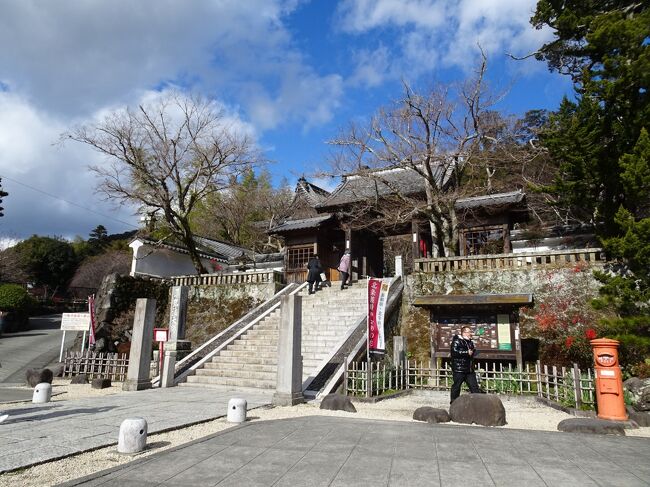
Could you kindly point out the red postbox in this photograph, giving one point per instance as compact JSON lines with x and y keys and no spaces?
{"x":609,"y":382}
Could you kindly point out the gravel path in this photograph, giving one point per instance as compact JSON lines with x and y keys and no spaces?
{"x":521,"y":413}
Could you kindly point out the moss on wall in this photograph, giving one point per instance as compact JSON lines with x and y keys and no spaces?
{"x":211,"y":309}
{"x":542,"y":283}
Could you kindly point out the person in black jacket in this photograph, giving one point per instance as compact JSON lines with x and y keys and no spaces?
{"x":462,"y":362}
{"x":314,"y":269}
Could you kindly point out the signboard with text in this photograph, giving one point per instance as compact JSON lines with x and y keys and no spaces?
{"x":75,"y":321}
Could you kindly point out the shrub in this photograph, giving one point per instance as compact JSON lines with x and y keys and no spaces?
{"x":14,"y":298}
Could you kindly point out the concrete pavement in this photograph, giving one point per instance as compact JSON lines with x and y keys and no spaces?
{"x":35,"y":348}
{"x":38,"y":433}
{"x":331,"y":451}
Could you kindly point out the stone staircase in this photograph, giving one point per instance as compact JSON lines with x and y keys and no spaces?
{"x":251,"y":360}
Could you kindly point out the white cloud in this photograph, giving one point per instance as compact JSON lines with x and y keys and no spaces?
{"x":74,"y":56}
{"x":433,"y":33}
{"x":372,"y":67}
{"x":49,"y":183}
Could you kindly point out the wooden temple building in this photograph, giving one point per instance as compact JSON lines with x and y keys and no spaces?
{"x":324,"y":224}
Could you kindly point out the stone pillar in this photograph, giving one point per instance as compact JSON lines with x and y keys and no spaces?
{"x":176,"y":347}
{"x":399,"y":269}
{"x":289,"y":384}
{"x":399,"y":351}
{"x":137,"y":377}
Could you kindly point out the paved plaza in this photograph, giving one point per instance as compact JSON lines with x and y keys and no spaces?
{"x":37,"y":433}
{"x":332,"y":451}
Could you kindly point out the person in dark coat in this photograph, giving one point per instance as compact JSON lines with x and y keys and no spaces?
{"x":314,"y":268}
{"x":462,"y":362}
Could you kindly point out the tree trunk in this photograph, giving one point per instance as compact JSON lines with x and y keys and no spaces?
{"x":188,"y":241}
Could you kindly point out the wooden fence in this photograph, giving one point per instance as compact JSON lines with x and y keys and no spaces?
{"x":527,"y":260}
{"x":570,"y":387}
{"x":236,"y":278}
{"x":107,"y":365}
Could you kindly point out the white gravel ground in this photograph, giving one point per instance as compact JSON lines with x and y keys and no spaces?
{"x":521,"y":413}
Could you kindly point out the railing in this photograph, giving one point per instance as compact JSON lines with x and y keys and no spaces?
{"x":107,"y":365}
{"x":219,"y":342}
{"x":570,"y":387}
{"x":236,"y":278}
{"x":527,"y":260}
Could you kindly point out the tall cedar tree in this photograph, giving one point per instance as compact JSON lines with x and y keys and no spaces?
{"x":601,"y":144}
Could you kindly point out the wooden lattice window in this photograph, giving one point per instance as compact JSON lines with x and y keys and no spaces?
{"x":485,"y":240}
{"x":297,"y":257}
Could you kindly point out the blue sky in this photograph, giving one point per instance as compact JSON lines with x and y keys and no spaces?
{"x":291,"y":73}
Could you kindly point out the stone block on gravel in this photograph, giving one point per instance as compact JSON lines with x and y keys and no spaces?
{"x":337,"y":402}
{"x":79,"y":379}
{"x":133,"y":435}
{"x":431,"y":415}
{"x":101,"y":383}
{"x":592,"y":426}
{"x":483,"y":409}
{"x":42,"y":393}
{"x":35,"y":377}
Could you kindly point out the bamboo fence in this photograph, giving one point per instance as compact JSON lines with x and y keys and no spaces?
{"x":569,"y":386}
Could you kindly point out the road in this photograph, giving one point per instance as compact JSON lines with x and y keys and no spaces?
{"x":33,"y":349}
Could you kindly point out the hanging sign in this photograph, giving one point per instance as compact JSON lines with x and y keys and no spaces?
{"x":377,"y":300}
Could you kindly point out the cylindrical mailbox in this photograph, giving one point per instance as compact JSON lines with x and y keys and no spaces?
{"x":42,"y":393}
{"x":236,"y":410}
{"x":133,"y":435}
{"x":609,"y":381}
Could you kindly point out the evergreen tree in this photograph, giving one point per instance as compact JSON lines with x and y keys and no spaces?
{"x":601,"y":144}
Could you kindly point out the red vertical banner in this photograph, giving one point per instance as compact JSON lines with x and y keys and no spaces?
{"x":91,"y":310}
{"x":374,"y":290}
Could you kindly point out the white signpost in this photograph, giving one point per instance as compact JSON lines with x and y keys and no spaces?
{"x":74,"y":322}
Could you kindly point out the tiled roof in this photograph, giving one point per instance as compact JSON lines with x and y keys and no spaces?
{"x":379,"y":183}
{"x":498,"y":199}
{"x":290,"y":225}
{"x":222,"y":248}
{"x":312,"y":193}
{"x":203,"y":252}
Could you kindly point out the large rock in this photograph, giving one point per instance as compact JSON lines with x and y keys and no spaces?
{"x":591,"y":425}
{"x":101,"y":383}
{"x":57,"y":370}
{"x":79,"y":379}
{"x":338,"y":402}
{"x":639,"y":389}
{"x":35,"y":377}
{"x":431,"y":415}
{"x":483,"y":409}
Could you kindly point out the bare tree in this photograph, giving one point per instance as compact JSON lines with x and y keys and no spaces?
{"x":448,"y":136}
{"x":168,"y":155}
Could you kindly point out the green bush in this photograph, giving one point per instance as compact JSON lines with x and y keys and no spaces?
{"x":14,"y":298}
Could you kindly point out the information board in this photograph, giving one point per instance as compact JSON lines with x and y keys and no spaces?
{"x":491,"y":331}
{"x":75,"y":321}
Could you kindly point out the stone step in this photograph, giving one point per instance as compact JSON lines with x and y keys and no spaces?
{"x":237,"y":374}
{"x":253,"y":367}
{"x":250,"y":360}
{"x":252,"y":347}
{"x":225,"y":381}
{"x":247,"y":353}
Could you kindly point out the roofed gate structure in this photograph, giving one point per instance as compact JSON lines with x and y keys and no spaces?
{"x":328,"y":223}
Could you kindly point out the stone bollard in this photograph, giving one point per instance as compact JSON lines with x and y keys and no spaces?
{"x":42,"y":393}
{"x":133,"y":435}
{"x":237,"y":410}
